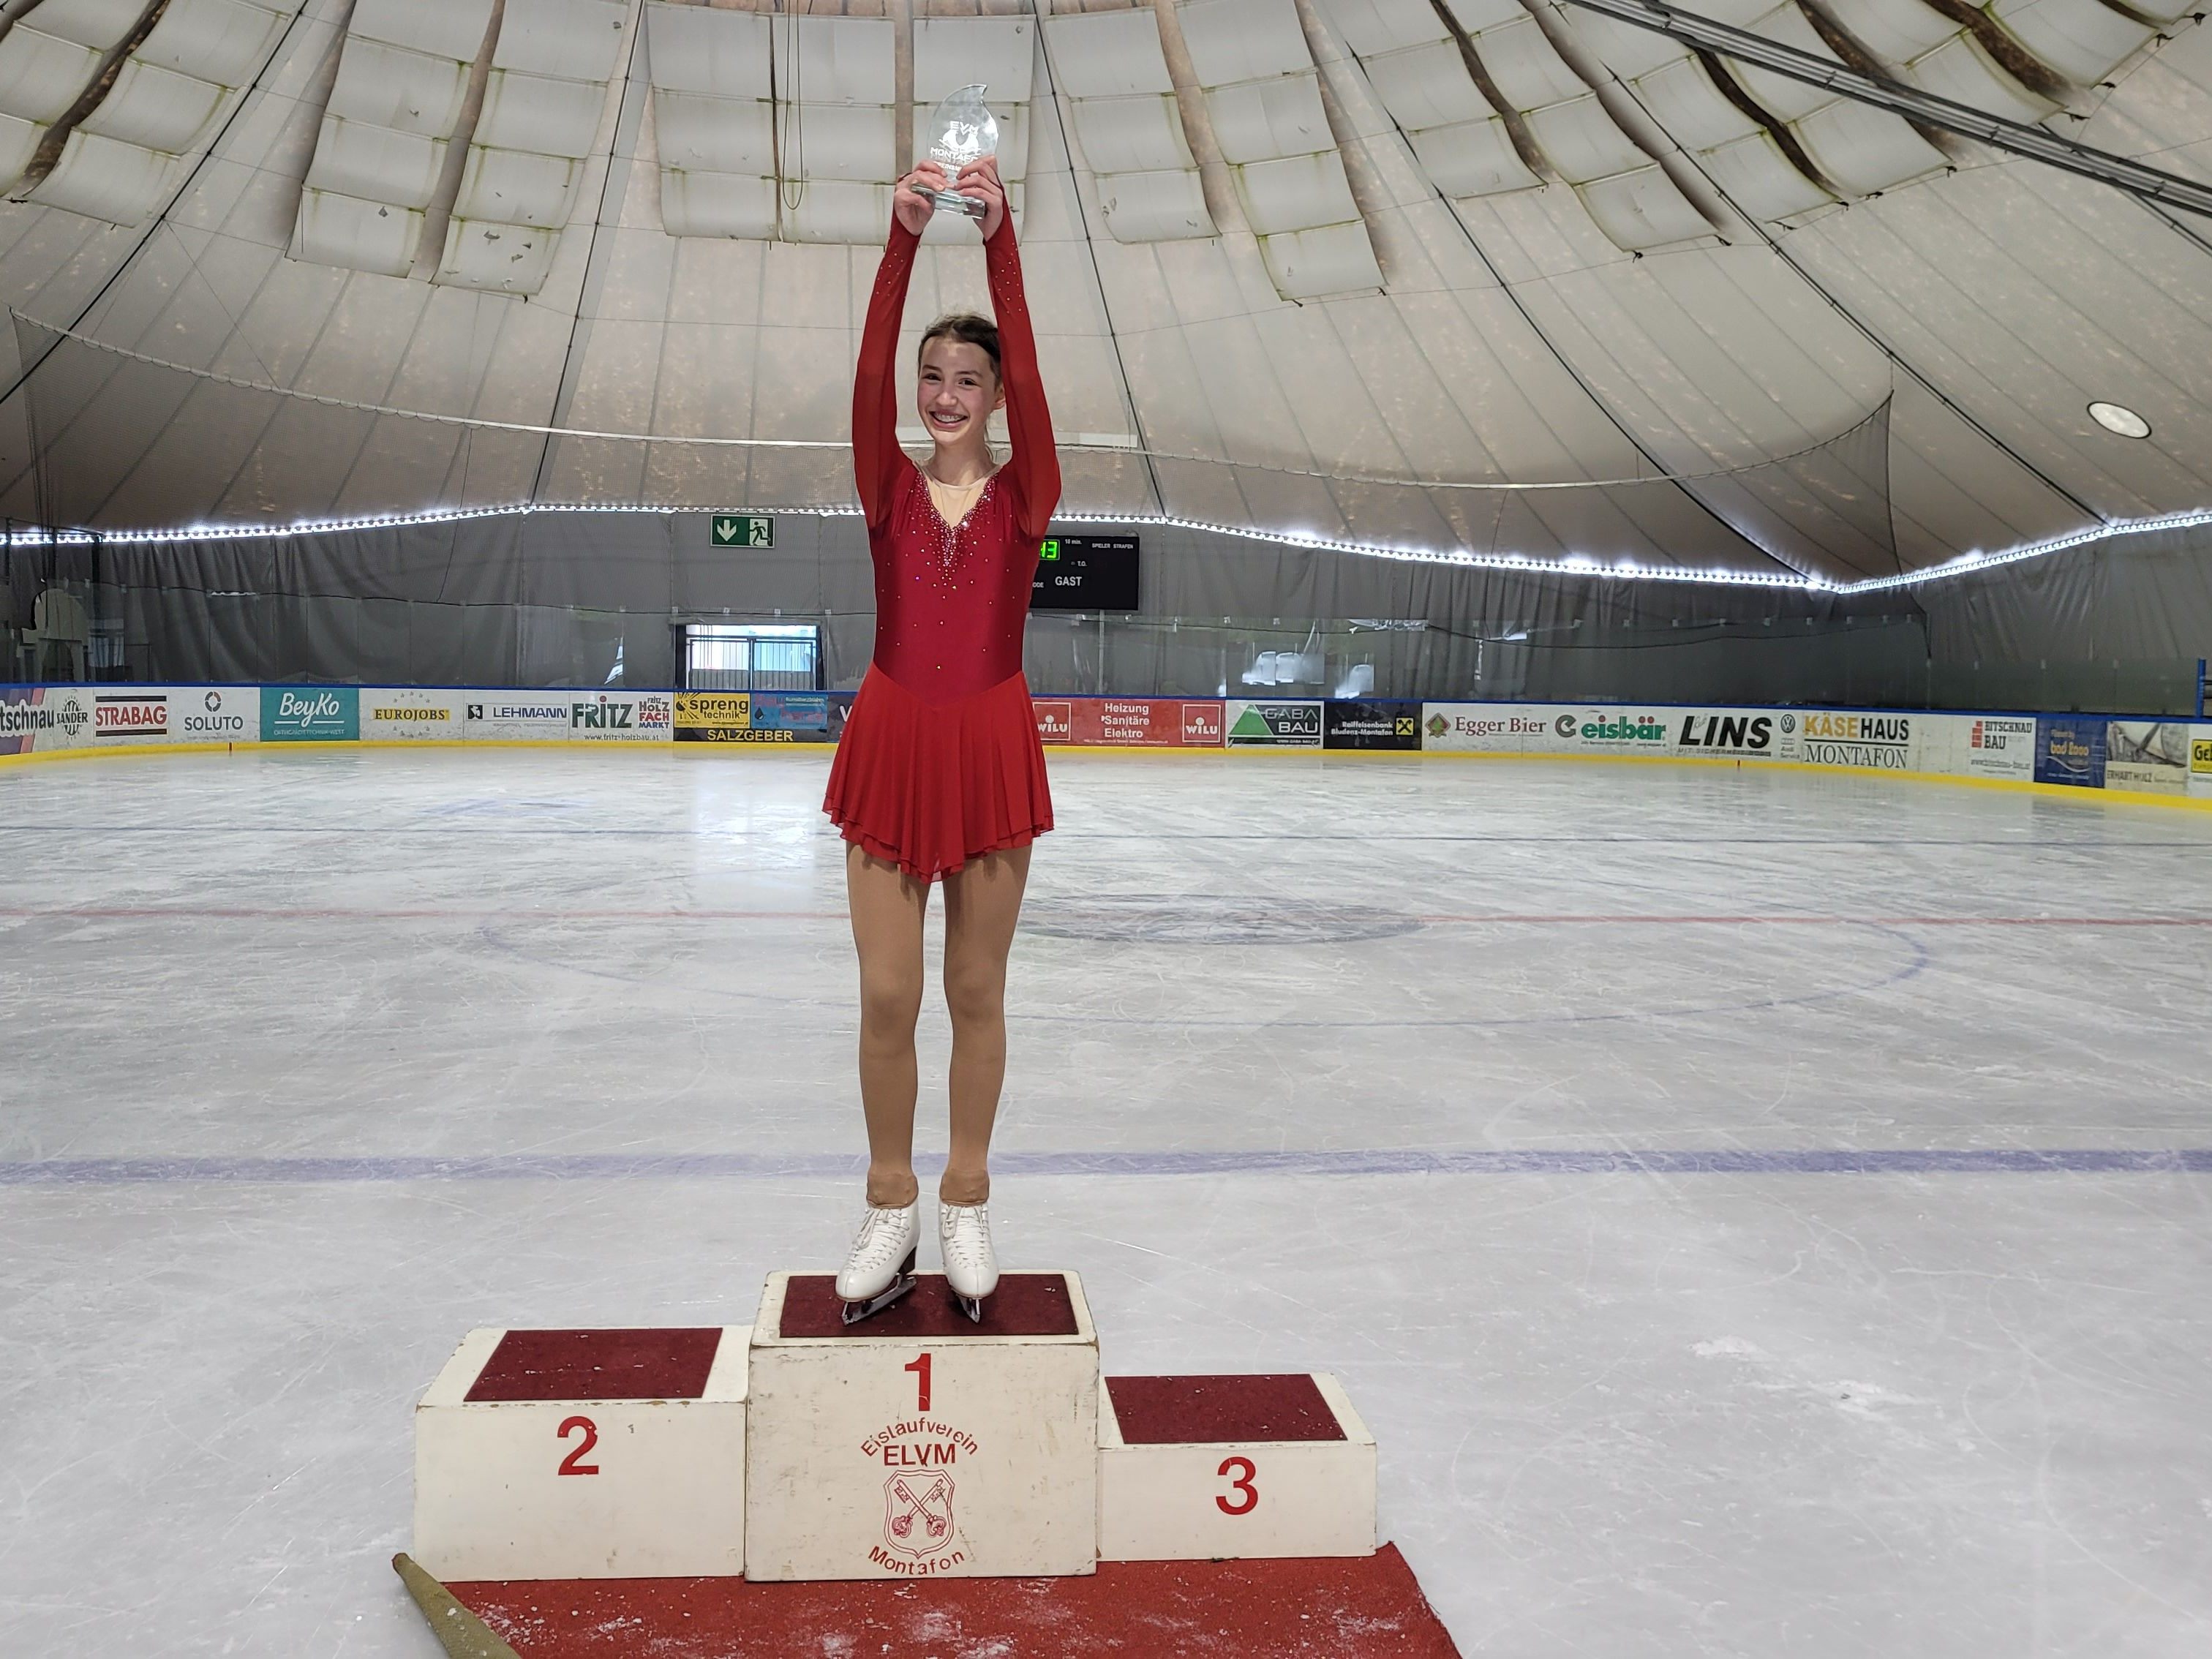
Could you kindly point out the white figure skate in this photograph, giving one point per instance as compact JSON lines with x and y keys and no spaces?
{"x":971,"y":1271}
{"x":880,"y":1269}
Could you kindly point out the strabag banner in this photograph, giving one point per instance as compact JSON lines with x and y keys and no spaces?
{"x":38,"y":720}
{"x":1131,"y":722}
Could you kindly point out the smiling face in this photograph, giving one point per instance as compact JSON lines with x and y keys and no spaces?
{"x":959,"y":388}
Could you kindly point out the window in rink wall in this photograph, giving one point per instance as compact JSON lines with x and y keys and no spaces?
{"x":752,"y":656}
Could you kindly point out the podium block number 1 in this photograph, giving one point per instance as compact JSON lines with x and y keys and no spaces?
{"x":920,"y":1369}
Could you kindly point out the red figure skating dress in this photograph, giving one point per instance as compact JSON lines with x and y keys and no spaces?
{"x":940,"y":761}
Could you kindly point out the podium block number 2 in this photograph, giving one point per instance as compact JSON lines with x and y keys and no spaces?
{"x":1240,"y":1474}
{"x":919,"y":1367}
{"x":572,"y":1464}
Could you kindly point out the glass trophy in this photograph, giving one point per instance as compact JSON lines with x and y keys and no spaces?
{"x":961,"y":130}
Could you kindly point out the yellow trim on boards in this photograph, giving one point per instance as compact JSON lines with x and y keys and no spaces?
{"x":2017,"y":786}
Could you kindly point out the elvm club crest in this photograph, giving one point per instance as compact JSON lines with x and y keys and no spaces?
{"x":918,"y":1513}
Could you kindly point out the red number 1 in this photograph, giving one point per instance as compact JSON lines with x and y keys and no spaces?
{"x":1240,"y":1484}
{"x":920,"y":1369}
{"x":568,"y":1464}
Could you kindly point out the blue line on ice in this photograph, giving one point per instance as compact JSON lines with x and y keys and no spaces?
{"x":1381,"y":1161}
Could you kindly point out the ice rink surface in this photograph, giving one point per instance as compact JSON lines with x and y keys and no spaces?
{"x":1757,"y":1214}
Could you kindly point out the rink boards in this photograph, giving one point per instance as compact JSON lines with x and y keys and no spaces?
{"x":914,"y":1445}
{"x":2169,"y":759}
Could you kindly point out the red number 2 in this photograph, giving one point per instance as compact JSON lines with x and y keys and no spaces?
{"x":920,"y":1369}
{"x":568,"y":1464}
{"x":1242,"y":1483}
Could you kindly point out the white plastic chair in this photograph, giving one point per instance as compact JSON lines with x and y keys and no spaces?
{"x":58,"y":622}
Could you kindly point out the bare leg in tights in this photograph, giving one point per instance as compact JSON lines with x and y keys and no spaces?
{"x":982,"y":903}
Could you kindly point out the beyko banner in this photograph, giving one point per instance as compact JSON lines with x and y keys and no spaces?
{"x":310,"y":714}
{"x":1274,"y":725}
{"x":1130,"y":722}
{"x":1352,"y":725}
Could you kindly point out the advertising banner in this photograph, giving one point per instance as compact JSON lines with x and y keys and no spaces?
{"x":37,"y":718}
{"x":1565,"y":729}
{"x":1274,"y":725}
{"x":310,"y":714}
{"x":622,"y":717}
{"x":2151,"y":757}
{"x":2200,"y":760}
{"x":1131,"y":722}
{"x":1481,"y":728}
{"x":808,"y":716}
{"x":216,"y":713}
{"x":128,"y":714}
{"x":1746,"y":733}
{"x":2070,"y":748}
{"x":409,"y":713}
{"x":1371,"y":725}
{"x":516,"y":716}
{"x":1880,"y":742}
{"x":1991,"y":746}
{"x":714,"y":716}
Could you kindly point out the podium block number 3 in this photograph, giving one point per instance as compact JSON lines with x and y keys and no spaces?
{"x":919,"y":1367}
{"x":1239,"y":1472}
{"x":572,"y":1464}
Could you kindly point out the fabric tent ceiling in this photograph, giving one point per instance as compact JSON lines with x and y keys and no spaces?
{"x":1329,"y":267}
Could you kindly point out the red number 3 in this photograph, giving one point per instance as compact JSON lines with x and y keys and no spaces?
{"x":568,"y":1464}
{"x":1241,"y":1484}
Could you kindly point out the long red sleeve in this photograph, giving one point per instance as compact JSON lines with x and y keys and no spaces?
{"x":876,"y":458}
{"x":1034,"y":467}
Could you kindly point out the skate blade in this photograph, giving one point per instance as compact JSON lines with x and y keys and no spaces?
{"x":970,"y":1305}
{"x":854,"y":1312}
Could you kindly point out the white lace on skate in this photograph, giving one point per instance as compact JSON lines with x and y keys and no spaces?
{"x":887,"y":1238}
{"x":964,"y":1234}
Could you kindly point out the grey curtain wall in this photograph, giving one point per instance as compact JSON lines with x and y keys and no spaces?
{"x":552,"y":597}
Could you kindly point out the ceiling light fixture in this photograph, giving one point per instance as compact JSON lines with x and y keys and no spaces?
{"x":2117,"y":418}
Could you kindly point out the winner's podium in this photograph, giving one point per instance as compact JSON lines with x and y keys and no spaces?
{"x":916,"y":1444}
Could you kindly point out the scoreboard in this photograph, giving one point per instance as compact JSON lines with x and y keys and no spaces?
{"x":1086,"y":572}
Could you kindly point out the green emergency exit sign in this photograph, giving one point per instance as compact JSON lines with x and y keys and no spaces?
{"x":744,"y":530}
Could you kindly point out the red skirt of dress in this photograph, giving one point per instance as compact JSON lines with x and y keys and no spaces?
{"x":930,"y":786}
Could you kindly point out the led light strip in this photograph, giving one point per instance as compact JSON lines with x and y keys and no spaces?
{"x":1574,"y":565}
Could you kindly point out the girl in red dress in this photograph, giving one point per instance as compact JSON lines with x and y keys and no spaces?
{"x":940,"y":774}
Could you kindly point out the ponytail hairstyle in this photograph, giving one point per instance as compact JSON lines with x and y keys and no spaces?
{"x":964,"y":328}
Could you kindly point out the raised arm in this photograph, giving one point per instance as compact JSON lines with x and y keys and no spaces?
{"x":1035,"y":464}
{"x":876,"y":458}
